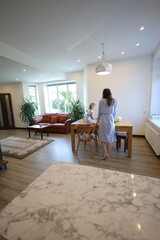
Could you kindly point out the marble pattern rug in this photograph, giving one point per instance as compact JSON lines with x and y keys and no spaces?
{"x":18,"y":147}
{"x":75,"y":202}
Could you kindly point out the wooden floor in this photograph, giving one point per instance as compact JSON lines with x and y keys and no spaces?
{"x":20,"y":173}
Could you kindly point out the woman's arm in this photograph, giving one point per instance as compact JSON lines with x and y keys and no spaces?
{"x":115,"y":110}
{"x":99,"y":110}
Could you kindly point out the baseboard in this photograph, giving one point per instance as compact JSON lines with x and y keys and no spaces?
{"x":135,"y":135}
{"x":12,"y":128}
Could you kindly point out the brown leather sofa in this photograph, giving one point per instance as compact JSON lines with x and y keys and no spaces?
{"x":58,"y":122}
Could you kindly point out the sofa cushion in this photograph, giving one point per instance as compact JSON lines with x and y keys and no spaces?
{"x":45,"y":119}
{"x":63,"y":118}
{"x":50,"y":114}
{"x":54,"y":118}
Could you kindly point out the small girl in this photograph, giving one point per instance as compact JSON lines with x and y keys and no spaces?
{"x":90,"y":119}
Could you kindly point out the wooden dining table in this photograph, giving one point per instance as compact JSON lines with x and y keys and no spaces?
{"x":121,"y":126}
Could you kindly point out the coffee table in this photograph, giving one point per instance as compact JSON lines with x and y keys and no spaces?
{"x":37,"y":128}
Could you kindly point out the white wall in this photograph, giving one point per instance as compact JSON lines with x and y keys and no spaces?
{"x":130,"y":83}
{"x":78,"y":77}
{"x":16,"y":91}
{"x":85,"y":87}
{"x":25,"y":90}
{"x":155,"y":89}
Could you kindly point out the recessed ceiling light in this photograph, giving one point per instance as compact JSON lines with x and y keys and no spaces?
{"x":134,"y":194}
{"x":78,"y":61}
{"x":142,"y":28}
{"x":99,"y":57}
{"x":139,"y":226}
{"x":137,"y":44}
{"x":24,"y":70}
{"x":122,"y":53}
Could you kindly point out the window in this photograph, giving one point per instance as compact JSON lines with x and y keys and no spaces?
{"x":33,"y":93}
{"x":60,"y":95}
{"x":34,"y":96}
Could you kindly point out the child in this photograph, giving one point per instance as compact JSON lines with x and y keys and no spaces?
{"x":90,"y":119}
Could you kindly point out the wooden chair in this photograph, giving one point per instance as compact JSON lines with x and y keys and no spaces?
{"x":84,"y":135}
{"x":122,"y":136}
{"x":96,"y":136}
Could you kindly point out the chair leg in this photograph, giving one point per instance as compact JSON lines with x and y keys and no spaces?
{"x":125,"y":144}
{"x":96,"y":143}
{"x":90,"y":148}
{"x":117,"y":144}
{"x":77,"y":147}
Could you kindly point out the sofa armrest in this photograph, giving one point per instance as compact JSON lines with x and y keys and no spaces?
{"x":67,"y":124}
{"x":67,"y":121}
{"x":36,"y":121}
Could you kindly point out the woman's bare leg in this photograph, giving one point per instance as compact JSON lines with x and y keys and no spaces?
{"x":104,"y":149}
{"x":109,"y":146}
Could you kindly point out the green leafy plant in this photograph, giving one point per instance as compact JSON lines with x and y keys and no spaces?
{"x":27,"y":110}
{"x":77,"y":110}
{"x":63,"y":101}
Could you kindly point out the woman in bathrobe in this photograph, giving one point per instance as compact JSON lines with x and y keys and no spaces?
{"x":106,"y":115}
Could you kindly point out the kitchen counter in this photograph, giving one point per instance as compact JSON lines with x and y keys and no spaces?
{"x":72,"y":201}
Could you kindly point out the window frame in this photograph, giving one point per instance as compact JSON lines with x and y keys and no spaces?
{"x":59,"y":84}
{"x":36,"y":97}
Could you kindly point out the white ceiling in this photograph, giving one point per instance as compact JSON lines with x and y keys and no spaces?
{"x":47,"y":37}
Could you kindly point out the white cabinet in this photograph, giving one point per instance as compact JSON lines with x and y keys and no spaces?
{"x":152,"y":134}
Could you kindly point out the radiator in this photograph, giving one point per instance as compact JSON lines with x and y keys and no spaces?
{"x":153,"y":137}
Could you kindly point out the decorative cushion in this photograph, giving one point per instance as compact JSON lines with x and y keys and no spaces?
{"x":45,"y":119}
{"x":63,"y":118}
{"x":54,"y":119}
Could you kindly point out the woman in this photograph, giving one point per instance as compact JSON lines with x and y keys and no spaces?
{"x":106,"y":116}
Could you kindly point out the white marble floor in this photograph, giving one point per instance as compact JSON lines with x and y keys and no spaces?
{"x":75,"y":202}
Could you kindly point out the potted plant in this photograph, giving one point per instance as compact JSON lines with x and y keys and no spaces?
{"x":77,"y":110}
{"x":27,"y":110}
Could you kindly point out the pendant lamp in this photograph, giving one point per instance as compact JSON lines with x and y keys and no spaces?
{"x":103,"y":68}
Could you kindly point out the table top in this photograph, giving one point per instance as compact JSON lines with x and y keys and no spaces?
{"x":122,"y":123}
{"x":37,"y":126}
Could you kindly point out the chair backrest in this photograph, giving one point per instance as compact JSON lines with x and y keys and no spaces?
{"x":84,"y":129}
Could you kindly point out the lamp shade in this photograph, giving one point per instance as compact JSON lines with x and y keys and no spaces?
{"x":103,"y":68}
